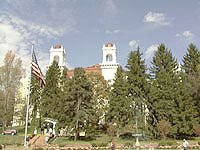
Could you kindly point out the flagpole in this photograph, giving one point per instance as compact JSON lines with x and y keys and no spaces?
{"x":28,"y":99}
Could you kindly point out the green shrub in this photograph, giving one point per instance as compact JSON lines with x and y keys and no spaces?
{"x":111,"y":130}
{"x":166,"y":143}
{"x":197,"y":129}
{"x":128,"y":144}
{"x":62,"y":145}
{"x":94,"y":144}
{"x":103,"y":144}
{"x":39,"y":148}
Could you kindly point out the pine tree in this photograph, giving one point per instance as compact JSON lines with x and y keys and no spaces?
{"x":194,"y":89}
{"x":50,"y":94}
{"x":81,"y":97}
{"x":191,"y":67}
{"x":65,"y":105}
{"x":191,"y":60}
{"x":137,"y":86}
{"x":185,"y":116}
{"x":164,"y":85}
{"x":100,"y":97}
{"x":35,"y":97}
{"x":120,"y":110}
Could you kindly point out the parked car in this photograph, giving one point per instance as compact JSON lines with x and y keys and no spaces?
{"x":9,"y":131}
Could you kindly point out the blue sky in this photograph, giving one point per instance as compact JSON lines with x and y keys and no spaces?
{"x":83,"y":26}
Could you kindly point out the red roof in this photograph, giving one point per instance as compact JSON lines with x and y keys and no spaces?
{"x":109,"y":45}
{"x":57,"y":46}
{"x":92,"y":69}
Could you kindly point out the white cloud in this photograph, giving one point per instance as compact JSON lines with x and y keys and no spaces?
{"x":112,"y":31}
{"x":108,"y":32}
{"x":157,"y":18}
{"x":133,"y":44}
{"x":116,"y":31}
{"x":178,"y":35}
{"x":150,"y":51}
{"x":186,"y":34}
{"x":17,"y":35}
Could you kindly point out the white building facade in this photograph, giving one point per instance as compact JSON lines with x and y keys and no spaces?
{"x":109,"y":63}
{"x":58,"y":54}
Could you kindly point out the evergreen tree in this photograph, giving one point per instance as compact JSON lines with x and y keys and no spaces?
{"x":191,"y":60}
{"x":100,"y":97}
{"x":164,"y":85}
{"x":65,"y":105}
{"x":120,"y":110}
{"x":81,"y":97}
{"x":190,"y":66}
{"x":194,"y":89}
{"x":185,"y":116}
{"x":35,"y":97}
{"x":137,"y":86}
{"x":51,"y":92}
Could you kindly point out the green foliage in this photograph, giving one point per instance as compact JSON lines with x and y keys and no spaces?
{"x":119,"y":105}
{"x":51,"y":92}
{"x":100,"y":96}
{"x":102,"y":144}
{"x":111,"y":130}
{"x":185,"y":116}
{"x":128,"y":144}
{"x":163,"y":93}
{"x":10,"y":74}
{"x":163,"y":128}
{"x":191,"y":60}
{"x":167,"y":143}
{"x":35,"y":102}
{"x":137,"y":87}
{"x":80,"y":103}
{"x":197,"y":129}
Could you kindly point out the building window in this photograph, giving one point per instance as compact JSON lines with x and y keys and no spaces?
{"x":109,"y":57}
{"x":56,"y":58}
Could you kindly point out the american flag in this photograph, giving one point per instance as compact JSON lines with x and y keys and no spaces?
{"x":35,"y":70}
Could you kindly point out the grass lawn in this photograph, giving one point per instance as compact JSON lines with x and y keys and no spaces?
{"x":61,"y":141}
{"x":11,"y":140}
{"x":14,"y":139}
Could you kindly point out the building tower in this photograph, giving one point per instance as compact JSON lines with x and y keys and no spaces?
{"x":109,"y":63}
{"x":57,"y":53}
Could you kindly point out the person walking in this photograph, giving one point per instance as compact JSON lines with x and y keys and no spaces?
{"x":185,"y":144}
{"x":112,"y":145}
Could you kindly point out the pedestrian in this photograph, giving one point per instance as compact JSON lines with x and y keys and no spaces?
{"x":35,"y":132}
{"x":50,"y":131}
{"x":46,"y":139}
{"x":112,"y":145}
{"x":185,"y":144}
{"x":45,"y":131}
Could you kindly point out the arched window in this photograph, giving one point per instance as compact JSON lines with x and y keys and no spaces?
{"x":56,"y":58}
{"x":109,"y":57}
